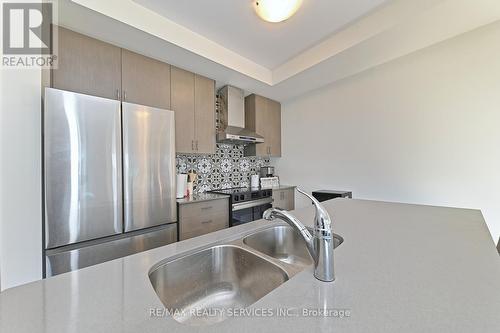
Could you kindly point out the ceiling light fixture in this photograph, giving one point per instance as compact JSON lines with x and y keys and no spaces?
{"x":276,"y":10}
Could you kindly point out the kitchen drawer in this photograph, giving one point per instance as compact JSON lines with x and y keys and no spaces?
{"x":197,"y":219}
{"x":201,"y":209}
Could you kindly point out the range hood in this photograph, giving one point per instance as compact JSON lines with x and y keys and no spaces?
{"x":231,"y":111}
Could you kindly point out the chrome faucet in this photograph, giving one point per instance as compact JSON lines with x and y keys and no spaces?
{"x":320,"y":244}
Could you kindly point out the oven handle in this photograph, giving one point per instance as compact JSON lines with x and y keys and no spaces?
{"x":253,"y":203}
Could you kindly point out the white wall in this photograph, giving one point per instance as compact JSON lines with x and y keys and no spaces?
{"x":20,"y":177}
{"x":422,"y":129}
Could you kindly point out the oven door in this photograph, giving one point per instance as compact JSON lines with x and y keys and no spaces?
{"x":249,"y":211}
{"x":258,"y":211}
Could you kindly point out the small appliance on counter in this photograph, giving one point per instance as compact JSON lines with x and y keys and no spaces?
{"x":269,"y":182}
{"x":246,"y":204}
{"x":266,"y":172}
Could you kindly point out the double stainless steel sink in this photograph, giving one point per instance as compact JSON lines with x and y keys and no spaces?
{"x":200,"y":288}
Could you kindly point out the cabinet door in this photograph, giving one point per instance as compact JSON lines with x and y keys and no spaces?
{"x":261,"y":125}
{"x":263,"y":116}
{"x":279,"y":199}
{"x":273,"y":124}
{"x":182,"y":95}
{"x":255,"y":119}
{"x":204,"y":93}
{"x":290,"y":199}
{"x":87,"y":66}
{"x":284,"y":199}
{"x":145,"y":81}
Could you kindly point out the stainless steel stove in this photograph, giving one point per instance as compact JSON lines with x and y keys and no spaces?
{"x":247,"y":204}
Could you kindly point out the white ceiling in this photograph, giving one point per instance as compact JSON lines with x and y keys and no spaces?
{"x":222,"y":40}
{"x":234,"y":24}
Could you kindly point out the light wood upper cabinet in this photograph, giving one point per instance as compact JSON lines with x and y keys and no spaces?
{"x":87,"y":66}
{"x":204,"y":113}
{"x":145,"y":80}
{"x":259,"y":115}
{"x":193,"y":100}
{"x":263,"y":116}
{"x":93,"y":67}
{"x":182,"y":94}
{"x":274,"y":127}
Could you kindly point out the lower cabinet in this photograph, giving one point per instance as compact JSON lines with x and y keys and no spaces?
{"x":284,"y":198}
{"x":199,"y":218}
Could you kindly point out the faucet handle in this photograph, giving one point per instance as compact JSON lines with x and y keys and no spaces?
{"x":323,"y":222}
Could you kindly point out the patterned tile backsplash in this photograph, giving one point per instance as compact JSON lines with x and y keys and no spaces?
{"x":225,"y":169}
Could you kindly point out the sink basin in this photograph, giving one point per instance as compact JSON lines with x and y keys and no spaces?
{"x":283,"y":243}
{"x":220,"y":277}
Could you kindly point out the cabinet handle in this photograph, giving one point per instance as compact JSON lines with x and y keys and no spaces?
{"x":118,"y":93}
{"x":208,"y":207}
{"x":206,"y":222}
{"x":192,"y":144}
{"x":124,"y":95}
{"x":196,"y":144}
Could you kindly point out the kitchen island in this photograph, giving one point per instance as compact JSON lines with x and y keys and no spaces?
{"x":401,"y":268}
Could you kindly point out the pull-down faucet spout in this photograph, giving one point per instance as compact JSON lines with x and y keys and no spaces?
{"x":320,"y":244}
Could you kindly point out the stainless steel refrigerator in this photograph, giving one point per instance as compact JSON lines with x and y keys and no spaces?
{"x":109,"y":179}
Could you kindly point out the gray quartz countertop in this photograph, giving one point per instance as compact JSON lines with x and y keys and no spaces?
{"x":401,"y":268}
{"x":200,"y":197}
{"x":282,"y":187}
